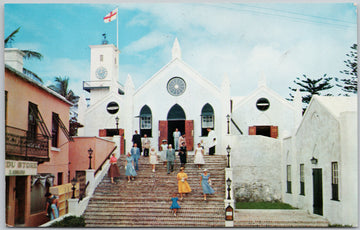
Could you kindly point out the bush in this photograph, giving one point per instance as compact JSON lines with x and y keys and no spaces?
{"x":70,"y":221}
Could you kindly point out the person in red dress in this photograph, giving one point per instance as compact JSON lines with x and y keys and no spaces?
{"x":113,"y":170}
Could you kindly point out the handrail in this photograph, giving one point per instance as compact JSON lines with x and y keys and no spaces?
{"x":237,"y":127}
{"x":108,"y":156}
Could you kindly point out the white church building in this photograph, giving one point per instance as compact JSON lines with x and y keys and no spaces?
{"x":271,"y":142}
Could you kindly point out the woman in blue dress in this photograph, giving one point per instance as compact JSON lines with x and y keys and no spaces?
{"x":174,"y":205}
{"x":54,"y":210}
{"x":204,"y":182}
{"x":129,"y":166}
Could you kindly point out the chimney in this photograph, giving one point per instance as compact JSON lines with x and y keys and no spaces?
{"x":14,"y":58}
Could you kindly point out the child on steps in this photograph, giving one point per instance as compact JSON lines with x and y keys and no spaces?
{"x":174,"y":206}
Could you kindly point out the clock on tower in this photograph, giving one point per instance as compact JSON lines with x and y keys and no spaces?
{"x":104,"y":62}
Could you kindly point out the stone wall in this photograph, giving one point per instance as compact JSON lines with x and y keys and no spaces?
{"x":256,"y":163}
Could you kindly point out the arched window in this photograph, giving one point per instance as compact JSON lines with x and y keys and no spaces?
{"x":207,"y":119}
{"x":176,"y":113}
{"x":145,"y":121}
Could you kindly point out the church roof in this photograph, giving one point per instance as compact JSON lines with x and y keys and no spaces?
{"x":337,"y":105}
{"x":185,"y":65}
{"x":239,"y":101}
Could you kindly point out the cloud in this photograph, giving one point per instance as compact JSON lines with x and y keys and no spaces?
{"x":150,"y":41}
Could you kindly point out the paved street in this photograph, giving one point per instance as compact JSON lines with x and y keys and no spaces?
{"x":277,"y":218}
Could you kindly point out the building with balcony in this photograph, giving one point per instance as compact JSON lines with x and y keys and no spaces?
{"x":36,"y":143}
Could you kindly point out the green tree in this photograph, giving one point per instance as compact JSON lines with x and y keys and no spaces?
{"x":61,"y":86}
{"x":311,"y":87}
{"x":349,"y":83}
{"x":29,"y":54}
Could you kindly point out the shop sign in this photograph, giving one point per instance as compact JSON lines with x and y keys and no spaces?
{"x":20,"y":168}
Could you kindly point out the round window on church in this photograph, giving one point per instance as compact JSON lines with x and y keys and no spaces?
{"x":112,"y":107}
{"x":262,"y":104}
{"x":176,"y":86}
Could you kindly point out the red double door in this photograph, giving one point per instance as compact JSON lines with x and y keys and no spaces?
{"x":269,"y":131}
{"x":166,"y":129}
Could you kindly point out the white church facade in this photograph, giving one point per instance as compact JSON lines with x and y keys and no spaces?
{"x":264,"y":130}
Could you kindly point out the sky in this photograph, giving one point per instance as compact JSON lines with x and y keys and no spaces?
{"x":243,"y":41}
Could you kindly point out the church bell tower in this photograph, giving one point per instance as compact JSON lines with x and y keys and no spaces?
{"x":104,"y":71}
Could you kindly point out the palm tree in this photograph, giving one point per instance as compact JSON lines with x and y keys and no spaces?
{"x":62,"y":87}
{"x":28,"y":54}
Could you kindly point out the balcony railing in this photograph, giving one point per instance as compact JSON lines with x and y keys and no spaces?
{"x":18,"y":144}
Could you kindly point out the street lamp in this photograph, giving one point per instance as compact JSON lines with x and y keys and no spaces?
{"x":90,"y":151}
{"x":228,"y":183}
{"x":117,"y":122}
{"x":73,"y":183}
{"x":228,"y":149}
{"x":228,"y":123}
{"x":314,"y":160}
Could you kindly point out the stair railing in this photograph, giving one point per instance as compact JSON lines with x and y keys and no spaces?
{"x":78,"y":206}
{"x":107,"y":158}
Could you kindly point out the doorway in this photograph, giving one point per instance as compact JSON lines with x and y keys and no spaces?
{"x":20,"y":200}
{"x":172,"y":125}
{"x":317,"y":188}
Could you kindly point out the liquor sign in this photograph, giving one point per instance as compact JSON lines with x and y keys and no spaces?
{"x":20,"y":168}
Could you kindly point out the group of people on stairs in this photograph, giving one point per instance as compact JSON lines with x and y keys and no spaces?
{"x":184,"y":187}
{"x":167,"y":157}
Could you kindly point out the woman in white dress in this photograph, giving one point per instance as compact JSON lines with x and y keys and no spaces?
{"x":199,"y":156}
{"x":153,"y":158}
{"x":164,"y":147}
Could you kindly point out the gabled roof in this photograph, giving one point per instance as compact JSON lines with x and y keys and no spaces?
{"x":336,"y":105}
{"x":37,"y":84}
{"x":109,"y":95}
{"x":182,"y":63}
{"x":239,"y":101}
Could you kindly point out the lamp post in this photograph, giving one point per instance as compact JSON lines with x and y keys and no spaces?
{"x":90,"y":151}
{"x":117,"y":122}
{"x":228,"y":183}
{"x":73,"y":183}
{"x":228,"y":123}
{"x":228,"y":149}
{"x":314,"y":160}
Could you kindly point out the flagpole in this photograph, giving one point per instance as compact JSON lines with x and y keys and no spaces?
{"x":117,"y":29}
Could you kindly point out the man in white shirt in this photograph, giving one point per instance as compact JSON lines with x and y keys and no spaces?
{"x":211,"y":141}
{"x":176,"y":135}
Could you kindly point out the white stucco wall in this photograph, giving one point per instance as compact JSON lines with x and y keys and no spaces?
{"x":328,"y":138}
{"x":198,"y":92}
{"x":280,"y":113}
{"x":349,"y":171}
{"x":97,"y":117}
{"x":256,"y":167}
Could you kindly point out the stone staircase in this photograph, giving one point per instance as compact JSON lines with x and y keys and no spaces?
{"x":145,"y":202}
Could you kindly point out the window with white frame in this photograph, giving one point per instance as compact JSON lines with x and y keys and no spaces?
{"x":288,"y":178}
{"x":302,"y":180}
{"x":207,"y":119}
{"x":207,"y":122}
{"x":335,"y":180}
{"x":145,"y":121}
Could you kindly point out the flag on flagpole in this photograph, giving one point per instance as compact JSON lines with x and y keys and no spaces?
{"x":111,"y":16}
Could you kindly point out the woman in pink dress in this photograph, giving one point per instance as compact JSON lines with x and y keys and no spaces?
{"x":113,"y":170}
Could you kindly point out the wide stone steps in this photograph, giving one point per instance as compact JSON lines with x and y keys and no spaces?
{"x":145,"y":201}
